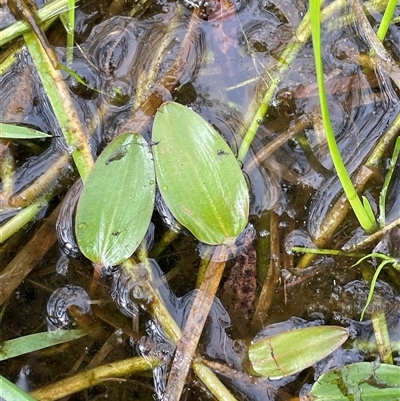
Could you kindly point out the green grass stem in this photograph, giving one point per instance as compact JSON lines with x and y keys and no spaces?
{"x":362,"y":210}
{"x":382,"y":337}
{"x":388,"y":178}
{"x":68,"y":20}
{"x":21,"y":219}
{"x":211,"y":380}
{"x":331,"y":252}
{"x":47,"y":12}
{"x":92,"y":377}
{"x":258,"y":109}
{"x":387,"y":19}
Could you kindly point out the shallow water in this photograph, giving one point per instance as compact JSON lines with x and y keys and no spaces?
{"x":232,"y":58}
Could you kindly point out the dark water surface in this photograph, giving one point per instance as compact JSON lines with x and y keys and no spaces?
{"x":233,"y":58}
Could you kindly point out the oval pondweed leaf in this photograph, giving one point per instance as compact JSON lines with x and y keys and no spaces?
{"x":198,"y":175}
{"x":116,"y":204}
{"x":358,"y":381}
{"x":290,"y":352}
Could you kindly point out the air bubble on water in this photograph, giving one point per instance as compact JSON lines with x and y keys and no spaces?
{"x":82,"y":226}
{"x":264,"y":233}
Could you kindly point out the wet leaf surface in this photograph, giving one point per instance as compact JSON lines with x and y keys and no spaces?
{"x":288,"y":353}
{"x":198,"y":175}
{"x":363,"y":381}
{"x":117,"y":201}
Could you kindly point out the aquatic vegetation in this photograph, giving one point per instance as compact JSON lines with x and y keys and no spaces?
{"x":203,"y":200}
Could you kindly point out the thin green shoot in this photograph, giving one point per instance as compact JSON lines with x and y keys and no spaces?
{"x":78,"y":78}
{"x":47,"y":12}
{"x":68,"y":20}
{"x":19,"y":220}
{"x":10,"y":391}
{"x":331,"y":252}
{"x":387,"y":19}
{"x":382,"y":195}
{"x":11,"y":131}
{"x":362,"y":210}
{"x":34,"y":342}
{"x":386,"y":261}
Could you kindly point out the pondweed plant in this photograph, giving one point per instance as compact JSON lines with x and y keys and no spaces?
{"x":107,"y":237}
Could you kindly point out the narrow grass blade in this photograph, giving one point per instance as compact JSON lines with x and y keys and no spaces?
{"x":63,"y":107}
{"x":47,"y":12}
{"x":364,"y":215}
{"x":10,"y":131}
{"x":387,"y":19}
{"x":11,"y":392}
{"x":34,"y":342}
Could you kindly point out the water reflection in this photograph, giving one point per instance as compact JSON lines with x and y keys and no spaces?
{"x":232,"y":53}
{"x":60,"y":300}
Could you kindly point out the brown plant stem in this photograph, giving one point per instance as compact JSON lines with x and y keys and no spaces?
{"x":28,"y":257}
{"x":268,"y":289}
{"x":187,"y":345}
{"x":160,"y":93}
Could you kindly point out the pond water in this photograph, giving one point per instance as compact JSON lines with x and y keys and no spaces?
{"x":220,"y":58}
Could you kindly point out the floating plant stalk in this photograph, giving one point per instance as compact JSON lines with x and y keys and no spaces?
{"x":199,"y":311}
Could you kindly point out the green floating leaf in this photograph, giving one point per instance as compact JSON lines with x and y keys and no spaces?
{"x":34,"y":342}
{"x":11,"y":392}
{"x":358,"y":381}
{"x":10,"y":131}
{"x":116,"y":204}
{"x":198,"y":175}
{"x":290,"y":352}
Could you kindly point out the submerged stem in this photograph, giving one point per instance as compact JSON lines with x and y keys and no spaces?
{"x":187,"y":345}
